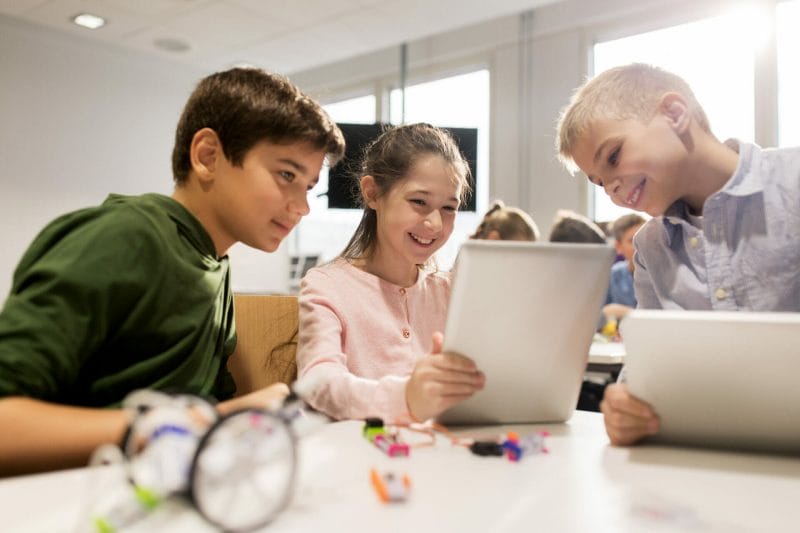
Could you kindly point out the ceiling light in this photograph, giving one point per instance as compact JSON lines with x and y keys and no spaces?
{"x":87,"y":20}
{"x":172,"y":45}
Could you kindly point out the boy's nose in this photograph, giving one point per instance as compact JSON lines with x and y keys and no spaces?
{"x":299,"y":204}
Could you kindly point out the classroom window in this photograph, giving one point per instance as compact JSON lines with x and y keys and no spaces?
{"x":324,"y":232}
{"x":788,"y":43}
{"x":359,"y":110}
{"x":460,"y":102}
{"x":719,"y":69}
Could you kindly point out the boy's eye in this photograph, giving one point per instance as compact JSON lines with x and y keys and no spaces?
{"x":450,"y":208}
{"x":417,"y":201}
{"x":287,"y":175}
{"x":613,"y":157}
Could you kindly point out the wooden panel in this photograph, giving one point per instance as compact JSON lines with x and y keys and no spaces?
{"x":266,"y":327}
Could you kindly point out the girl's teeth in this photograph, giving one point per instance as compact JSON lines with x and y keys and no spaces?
{"x":421,"y":240}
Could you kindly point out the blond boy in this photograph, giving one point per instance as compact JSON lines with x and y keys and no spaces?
{"x":724,"y":233}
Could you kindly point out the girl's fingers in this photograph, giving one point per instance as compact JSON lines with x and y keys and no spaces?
{"x":456,"y":362}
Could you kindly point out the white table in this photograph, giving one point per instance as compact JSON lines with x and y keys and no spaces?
{"x":583,"y":484}
{"x":606,"y":353}
{"x":605,"y":362}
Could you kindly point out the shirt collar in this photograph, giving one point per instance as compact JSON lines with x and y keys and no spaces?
{"x":191,"y":227}
{"x":676,"y":215}
{"x":743,"y":182}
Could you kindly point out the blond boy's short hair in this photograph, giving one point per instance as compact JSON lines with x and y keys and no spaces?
{"x":628,"y":92}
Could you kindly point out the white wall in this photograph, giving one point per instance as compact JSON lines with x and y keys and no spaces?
{"x":79,"y":120}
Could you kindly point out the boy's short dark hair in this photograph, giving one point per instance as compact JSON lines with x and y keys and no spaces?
{"x":624,"y":223}
{"x":245,"y":106}
{"x":573,"y":227}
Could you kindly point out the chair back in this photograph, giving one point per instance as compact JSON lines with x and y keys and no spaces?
{"x":266,"y":329}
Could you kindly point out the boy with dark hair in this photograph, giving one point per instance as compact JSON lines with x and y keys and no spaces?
{"x":621,"y":297}
{"x":135,"y":293}
{"x":570,"y":226}
{"x":724,"y":233}
{"x":506,"y":223}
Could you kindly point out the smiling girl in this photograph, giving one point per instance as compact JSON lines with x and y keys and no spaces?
{"x":371,"y":320}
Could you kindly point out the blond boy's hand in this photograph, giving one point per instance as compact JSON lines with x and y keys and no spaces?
{"x":627,"y":419}
{"x":441,"y":380}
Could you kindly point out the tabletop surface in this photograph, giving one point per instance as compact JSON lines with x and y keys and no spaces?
{"x":581,"y":484}
{"x":606,"y":353}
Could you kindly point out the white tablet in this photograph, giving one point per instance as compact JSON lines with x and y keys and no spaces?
{"x":718,"y":379}
{"x":526,"y":314}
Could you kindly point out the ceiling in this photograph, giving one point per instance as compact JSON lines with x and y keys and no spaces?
{"x":281,"y":35}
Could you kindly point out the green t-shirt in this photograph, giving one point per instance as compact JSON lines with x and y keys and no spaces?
{"x":123,"y":296}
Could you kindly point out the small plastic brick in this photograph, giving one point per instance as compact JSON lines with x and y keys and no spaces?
{"x":389,"y":444}
{"x":373,"y":427}
{"x":486,"y":448}
{"x":389,"y":487}
{"x":375,"y":432}
{"x":610,"y":328}
{"x":534,"y":443}
{"x":531,"y":443}
{"x":512,"y":449}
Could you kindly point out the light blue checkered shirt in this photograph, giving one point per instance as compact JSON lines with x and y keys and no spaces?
{"x":745,"y":257}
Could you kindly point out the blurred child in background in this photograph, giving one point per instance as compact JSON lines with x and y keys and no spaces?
{"x":621,"y":298}
{"x":573,"y":227}
{"x":505,"y":223}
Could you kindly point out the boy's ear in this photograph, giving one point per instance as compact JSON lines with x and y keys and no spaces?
{"x":204,"y":153}
{"x":674,"y":107}
{"x":370,"y":190}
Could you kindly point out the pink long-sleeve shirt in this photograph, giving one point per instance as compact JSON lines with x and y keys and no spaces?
{"x":360,"y":337}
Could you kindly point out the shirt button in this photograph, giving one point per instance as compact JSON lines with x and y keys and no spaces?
{"x":693,"y":242}
{"x":402,"y":291}
{"x":720,"y":294}
{"x":406,"y":333}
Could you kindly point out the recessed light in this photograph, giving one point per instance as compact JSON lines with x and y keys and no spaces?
{"x":172,"y":45}
{"x":87,"y":20}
